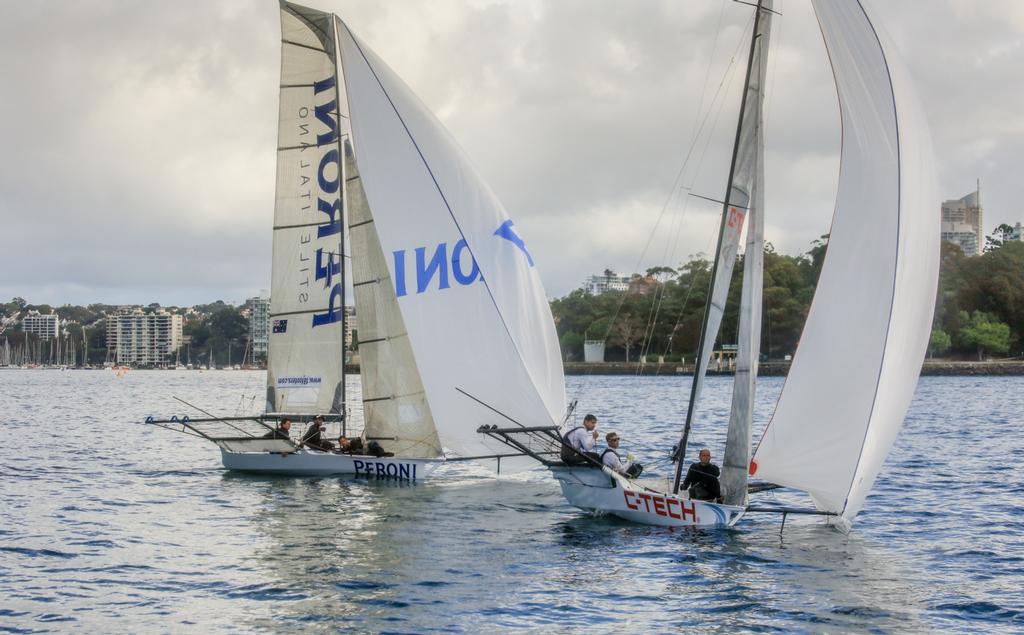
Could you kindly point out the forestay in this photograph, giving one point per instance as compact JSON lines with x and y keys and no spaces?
{"x":854,"y":373}
{"x":735,"y":210}
{"x":477,"y":318}
{"x":305,"y":357}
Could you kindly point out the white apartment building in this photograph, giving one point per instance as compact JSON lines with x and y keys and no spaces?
{"x":963,"y":223}
{"x":259,"y":325}
{"x":137,"y":338}
{"x":42,"y":326}
{"x":596,"y":285}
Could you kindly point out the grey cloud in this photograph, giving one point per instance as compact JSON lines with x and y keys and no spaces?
{"x":138,"y":154}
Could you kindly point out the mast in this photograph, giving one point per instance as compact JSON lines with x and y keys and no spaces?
{"x":700,"y":366}
{"x":338,"y":79}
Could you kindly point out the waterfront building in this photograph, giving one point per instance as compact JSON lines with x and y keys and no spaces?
{"x":259,"y":325}
{"x":609,"y":281}
{"x":963,"y":222}
{"x":43,"y":326}
{"x":138,"y":338}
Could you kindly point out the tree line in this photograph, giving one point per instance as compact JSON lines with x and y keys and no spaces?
{"x":979,"y":310}
{"x":979,"y":306}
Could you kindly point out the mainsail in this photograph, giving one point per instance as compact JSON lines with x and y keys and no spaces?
{"x":747,"y":190}
{"x":306,"y":348}
{"x":744,"y":202}
{"x":478,"y":322}
{"x":854,"y":373}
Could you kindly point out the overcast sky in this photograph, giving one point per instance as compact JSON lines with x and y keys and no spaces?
{"x":137,"y":162}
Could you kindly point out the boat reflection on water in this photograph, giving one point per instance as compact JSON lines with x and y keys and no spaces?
{"x":681,"y":577}
{"x":347,"y":550}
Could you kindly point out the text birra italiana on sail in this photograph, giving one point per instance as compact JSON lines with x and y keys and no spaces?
{"x":319,"y":256}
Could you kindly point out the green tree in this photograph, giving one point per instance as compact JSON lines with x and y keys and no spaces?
{"x":939,"y":343}
{"x":994,"y":283}
{"x":999,"y":237}
{"x":571,"y":344}
{"x":986,"y":333}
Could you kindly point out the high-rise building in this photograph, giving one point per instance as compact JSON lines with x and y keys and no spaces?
{"x":963,"y":222}
{"x":259,"y":325}
{"x":42,"y":326}
{"x":143,"y":339}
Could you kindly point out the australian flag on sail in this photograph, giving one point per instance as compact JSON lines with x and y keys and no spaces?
{"x":280,"y":326}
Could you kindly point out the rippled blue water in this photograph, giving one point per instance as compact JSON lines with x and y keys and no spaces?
{"x":106,"y":524}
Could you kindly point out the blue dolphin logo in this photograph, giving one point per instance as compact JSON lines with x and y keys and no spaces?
{"x":509,"y":234}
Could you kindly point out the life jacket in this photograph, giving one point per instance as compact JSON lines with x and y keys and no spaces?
{"x":569,"y":454}
{"x":613,"y":452}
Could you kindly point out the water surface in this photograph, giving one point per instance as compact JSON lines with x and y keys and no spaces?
{"x":107,"y":524}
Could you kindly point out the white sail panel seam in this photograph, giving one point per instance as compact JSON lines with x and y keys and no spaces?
{"x":305,"y":46}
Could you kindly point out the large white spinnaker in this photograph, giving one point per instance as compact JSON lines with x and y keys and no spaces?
{"x":477,"y":318}
{"x":748,"y":190}
{"x":860,"y":354}
{"x":305,"y":356}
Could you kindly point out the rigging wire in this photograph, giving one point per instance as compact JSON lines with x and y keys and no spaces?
{"x":715,"y":107}
{"x":672,"y":245}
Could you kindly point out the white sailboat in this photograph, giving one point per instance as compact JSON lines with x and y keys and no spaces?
{"x":455,"y":330}
{"x":854,"y":373}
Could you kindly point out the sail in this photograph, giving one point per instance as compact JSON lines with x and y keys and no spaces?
{"x":748,"y":190}
{"x":478,"y":321}
{"x":394,"y":401}
{"x":734,"y":213}
{"x":306,"y":346}
{"x":854,"y":373}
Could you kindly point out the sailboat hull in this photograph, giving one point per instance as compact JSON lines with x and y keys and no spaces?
{"x":604,"y":492}
{"x":313,"y":463}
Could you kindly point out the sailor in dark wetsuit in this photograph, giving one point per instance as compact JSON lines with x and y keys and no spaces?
{"x":702,"y":479}
{"x":312,"y":437}
{"x":355,"y":446}
{"x":348,"y":445}
{"x":281,"y":431}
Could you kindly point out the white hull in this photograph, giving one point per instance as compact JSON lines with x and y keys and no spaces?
{"x":313,"y":463}
{"x":604,"y":492}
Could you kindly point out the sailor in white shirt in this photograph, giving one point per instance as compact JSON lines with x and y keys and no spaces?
{"x":580,"y":439}
{"x":610,"y":457}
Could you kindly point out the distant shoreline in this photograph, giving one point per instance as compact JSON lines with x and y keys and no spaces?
{"x":931,"y":368}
